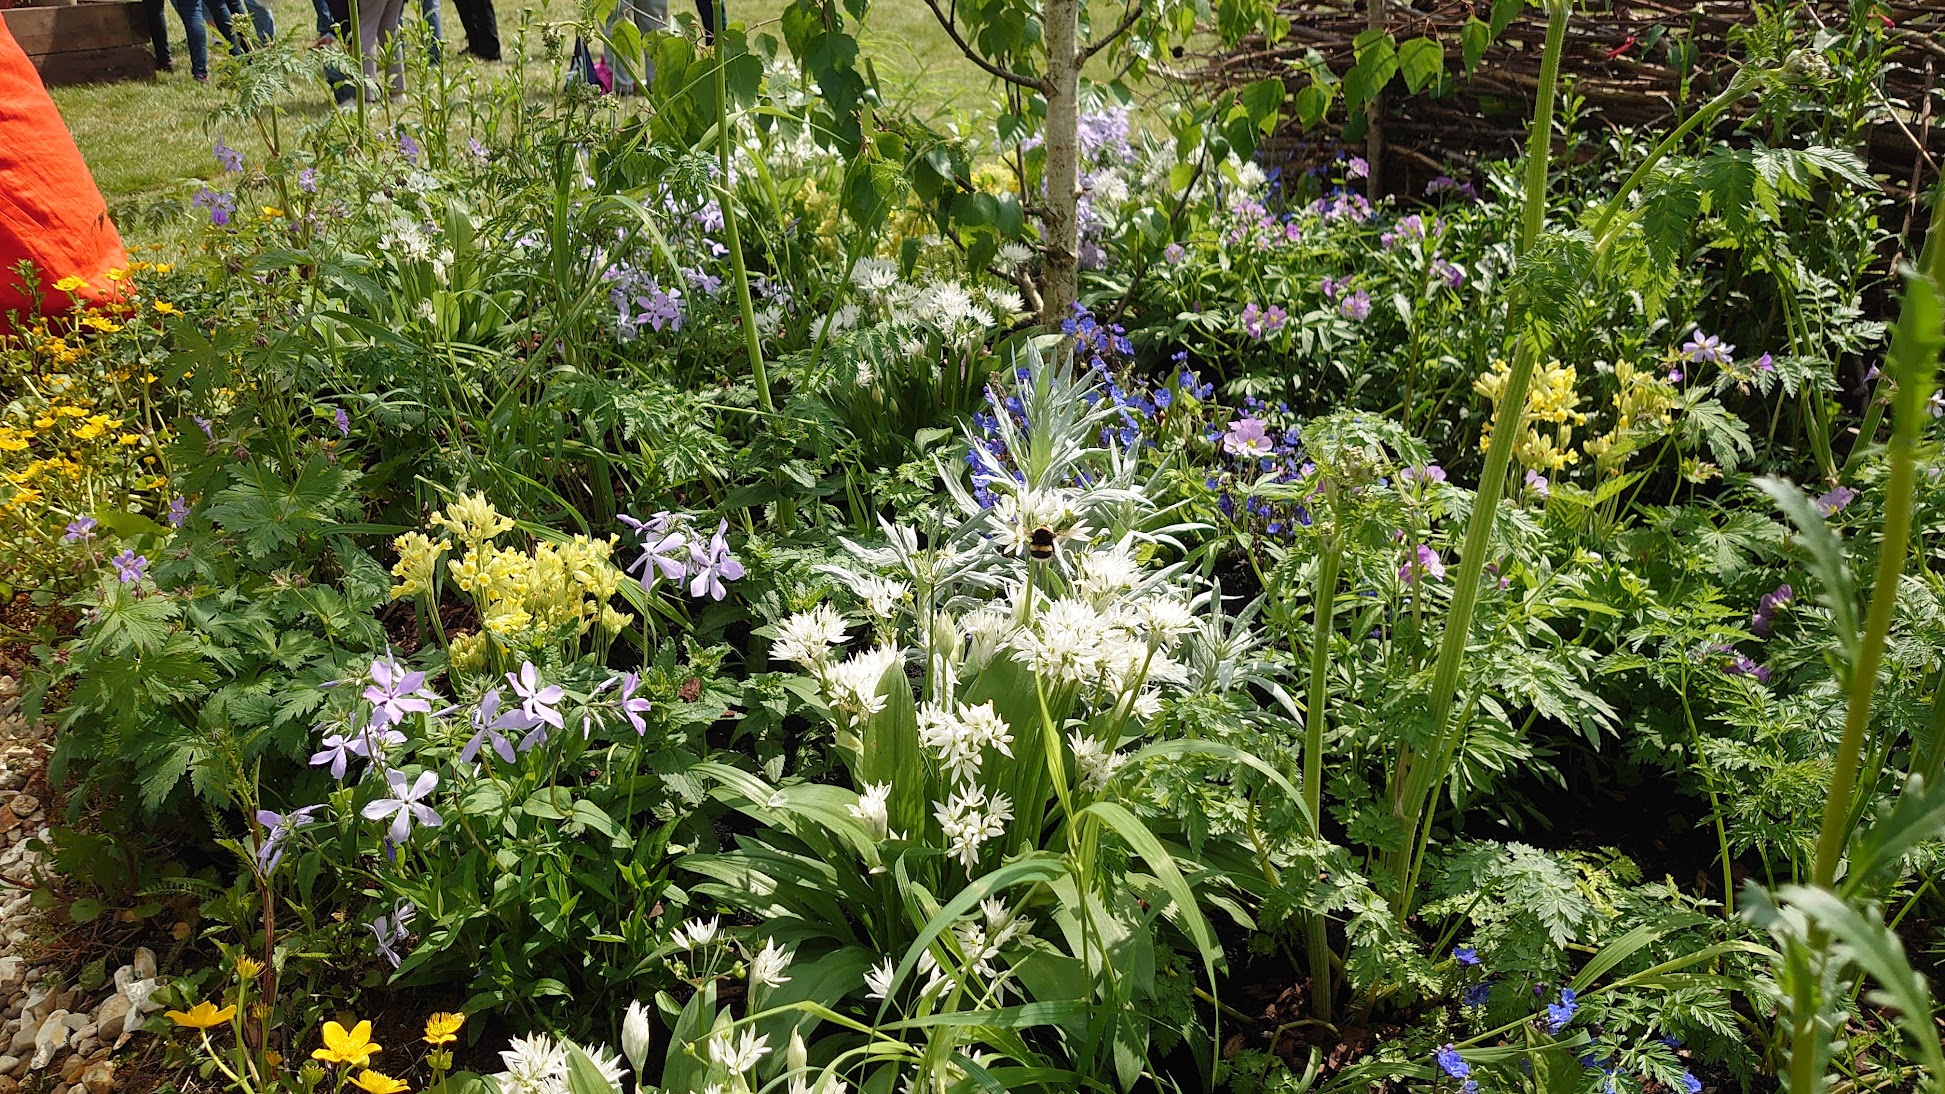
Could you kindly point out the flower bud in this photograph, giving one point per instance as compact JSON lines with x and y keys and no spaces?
{"x":635,"y":1035}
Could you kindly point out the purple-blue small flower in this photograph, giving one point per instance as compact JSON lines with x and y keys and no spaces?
{"x":1833,"y":502}
{"x":1356,"y":306}
{"x":219,"y":204}
{"x":79,"y":529}
{"x":1561,"y":1013}
{"x":1690,"y":1083}
{"x":178,"y":511}
{"x":394,"y":693}
{"x":1477,"y":995}
{"x":129,"y":566}
{"x":391,"y":930}
{"x":277,"y":827}
{"x":408,"y":148}
{"x":230,"y":159}
{"x":1432,"y":473}
{"x":405,"y":804}
{"x":1450,"y":1062}
{"x":342,"y":419}
{"x":713,"y":566}
{"x":488,"y":720}
{"x":307,"y":179}
{"x":1465,"y":955}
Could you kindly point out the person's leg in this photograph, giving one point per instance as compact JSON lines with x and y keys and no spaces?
{"x":435,"y":26}
{"x":158,"y":17}
{"x":262,"y":20}
{"x":191,"y":14}
{"x":488,"y":46}
{"x":391,"y":44}
{"x":706,"y":11}
{"x":217,"y":14}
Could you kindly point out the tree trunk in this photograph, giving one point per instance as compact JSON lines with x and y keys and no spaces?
{"x":1060,"y":224}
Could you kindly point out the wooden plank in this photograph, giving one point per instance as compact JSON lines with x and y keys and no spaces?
{"x":62,"y":30}
{"x":91,"y":66}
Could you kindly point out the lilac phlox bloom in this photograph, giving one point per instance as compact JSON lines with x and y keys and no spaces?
{"x":537,"y":702}
{"x":1561,"y":1013}
{"x":1357,"y":168}
{"x":307,"y":179}
{"x":178,"y":511}
{"x":1247,"y":437}
{"x":713,"y":566}
{"x":488,"y":720}
{"x":1450,"y":1062}
{"x":393,"y":693}
{"x":663,"y":541}
{"x":633,"y":706}
{"x":1465,"y":955}
{"x":129,"y":566}
{"x":391,"y":931}
{"x":405,"y":804}
{"x":277,"y":828}
{"x":1707,"y":349}
{"x":1833,"y":502}
{"x":337,"y":752}
{"x":1424,"y":560}
{"x":78,"y":529}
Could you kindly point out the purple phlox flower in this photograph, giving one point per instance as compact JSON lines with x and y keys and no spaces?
{"x":1248,"y":438}
{"x":1561,"y":1013}
{"x":1936,"y":404}
{"x":1425,"y":561}
{"x":337,"y":752}
{"x":220,"y":205}
{"x":537,"y":702}
{"x":277,"y":828}
{"x":1465,"y":955}
{"x":1357,"y":168}
{"x":1450,"y":1062}
{"x":375,"y":742}
{"x":391,"y":931}
{"x":229,"y":158}
{"x":632,"y":706}
{"x":1537,"y":483}
{"x":1477,"y":994}
{"x":178,"y":511}
{"x":78,"y":529}
{"x":307,"y":179}
{"x":663,"y":540}
{"x":130,"y":566}
{"x":713,"y":566}
{"x":342,"y":419}
{"x":1707,"y":349}
{"x":393,"y":693}
{"x":1833,"y":502}
{"x":488,"y":720}
{"x":405,"y":804}
{"x":1765,"y":363}
{"x":710,"y":216}
{"x":1690,"y":1083}
{"x":1356,"y":306}
{"x":1430,"y":473}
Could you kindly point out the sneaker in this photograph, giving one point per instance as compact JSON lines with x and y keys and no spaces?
{"x":202,"y":77}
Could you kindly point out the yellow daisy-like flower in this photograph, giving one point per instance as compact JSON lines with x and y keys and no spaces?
{"x":352,"y":1047}
{"x":70,"y":283}
{"x":104,"y":325}
{"x":129,"y":439}
{"x":164,"y":267}
{"x":374,"y":1083}
{"x":117,"y":274}
{"x":442,"y":1028}
{"x":201,"y":1016}
{"x":270,"y":211}
{"x":163,"y":307}
{"x":248,"y":968}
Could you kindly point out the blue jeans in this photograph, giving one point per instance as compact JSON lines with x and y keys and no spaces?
{"x":435,"y":26}
{"x":192,"y":13}
{"x":260,"y":20}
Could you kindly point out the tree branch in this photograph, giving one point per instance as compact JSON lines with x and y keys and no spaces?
{"x":1128,"y":20}
{"x":992,"y":69}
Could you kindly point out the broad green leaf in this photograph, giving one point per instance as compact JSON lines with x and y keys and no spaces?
{"x":1876,"y":949}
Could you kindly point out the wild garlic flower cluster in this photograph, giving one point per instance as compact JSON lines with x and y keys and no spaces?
{"x":539,"y":1065}
{"x":957,"y":312}
{"x":528,"y":599}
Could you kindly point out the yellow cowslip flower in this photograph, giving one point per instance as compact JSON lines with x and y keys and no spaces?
{"x":201,"y":1016}
{"x":613,"y":621}
{"x":418,"y":556}
{"x":164,"y":267}
{"x":442,"y":1028}
{"x":374,"y":1083}
{"x":163,"y":307}
{"x":468,"y":652}
{"x":507,"y":620}
{"x":248,"y":968}
{"x":343,"y":1046}
{"x":70,"y":283}
{"x":472,"y":518}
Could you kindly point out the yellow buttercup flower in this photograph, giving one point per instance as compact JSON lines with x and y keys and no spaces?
{"x":102,"y":324}
{"x":375,"y":1083}
{"x":164,"y":267}
{"x":201,"y":1016}
{"x":272,"y":211}
{"x":163,"y":307}
{"x":352,"y":1047}
{"x":129,"y":438}
{"x":117,"y":274}
{"x":248,"y":968}
{"x":442,"y":1028}
{"x":70,"y":283}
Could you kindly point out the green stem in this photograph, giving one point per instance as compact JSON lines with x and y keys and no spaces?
{"x":1313,"y":753}
{"x":1745,"y":81}
{"x":752,"y":342}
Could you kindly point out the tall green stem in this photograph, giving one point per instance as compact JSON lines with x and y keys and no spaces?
{"x":752,"y":341}
{"x":1412,"y":782}
{"x":1313,"y":751}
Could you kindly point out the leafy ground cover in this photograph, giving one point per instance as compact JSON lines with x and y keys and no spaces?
{"x":766,"y":577}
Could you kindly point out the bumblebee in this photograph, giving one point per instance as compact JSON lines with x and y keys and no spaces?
{"x":1040,"y":543}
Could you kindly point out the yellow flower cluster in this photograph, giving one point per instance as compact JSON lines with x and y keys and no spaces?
{"x":527,"y":598}
{"x":1640,"y":399}
{"x":1550,"y":401}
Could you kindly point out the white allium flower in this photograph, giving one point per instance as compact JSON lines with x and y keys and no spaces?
{"x":1005,"y":301}
{"x":768,"y":965}
{"x":1163,"y":619}
{"x":607,"y":1062}
{"x":695,"y":933}
{"x":1105,"y":575}
{"x":1066,"y":643}
{"x":534,"y":1065}
{"x":1250,"y":177}
{"x":769,"y":320}
{"x":635,"y":1034}
{"x":1015,"y":254}
{"x":1017,"y":515}
{"x":877,"y":981}
{"x":874,"y":809}
{"x":738,"y":1054}
{"x":979,"y":947}
{"x":936,"y":978}
{"x":881,"y":595}
{"x":959,"y":737}
{"x":807,"y":637}
{"x":969,"y":819}
{"x":874,"y":275}
{"x":988,"y":630}
{"x":1096,"y":763}
{"x":1147,"y":704}
{"x":852,"y":687}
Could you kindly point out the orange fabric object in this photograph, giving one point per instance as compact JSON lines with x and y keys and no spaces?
{"x":51,"y":213}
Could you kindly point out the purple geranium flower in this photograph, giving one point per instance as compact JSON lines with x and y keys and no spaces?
{"x":713,"y":566}
{"x":221,"y":206}
{"x":1834,"y":501}
{"x":130,"y":566}
{"x":229,"y":158}
{"x":405,"y":804}
{"x":1424,"y":560}
{"x":537,"y":702}
{"x":277,"y":828}
{"x":1356,"y":306}
{"x":1707,"y":349}
{"x":1248,"y":438}
{"x":408,"y":148}
{"x":1432,"y":473}
{"x":342,"y":419}
{"x":1477,"y":995}
{"x":178,"y":511}
{"x":78,"y":529}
